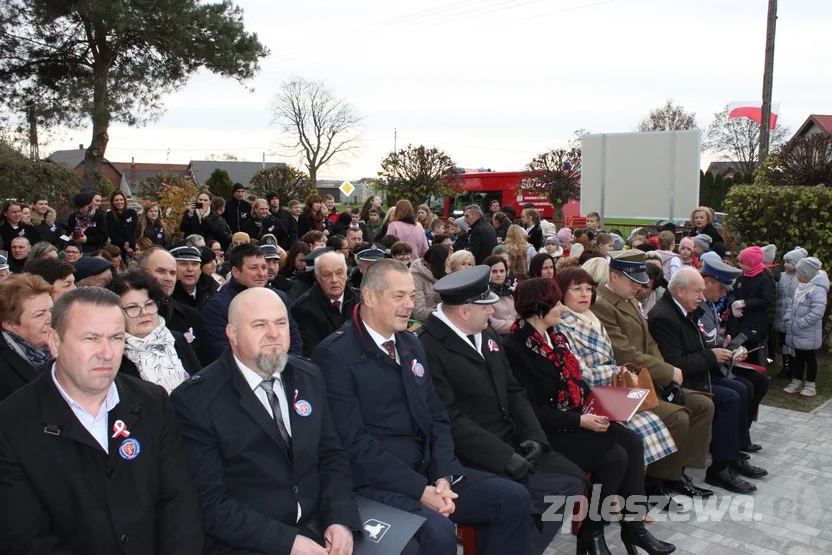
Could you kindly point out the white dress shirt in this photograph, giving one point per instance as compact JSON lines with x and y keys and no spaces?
{"x":96,"y":425}
{"x":380,"y":340}
{"x":477,"y":336}
{"x":254,"y":380}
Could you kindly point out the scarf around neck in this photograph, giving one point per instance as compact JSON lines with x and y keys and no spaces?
{"x":156,"y":358}
{"x":39,"y":358}
{"x":571,"y":388}
{"x":501,"y":289}
{"x":801,"y":292}
{"x":83,"y":221}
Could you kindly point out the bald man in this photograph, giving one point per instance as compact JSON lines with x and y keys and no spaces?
{"x":258,"y":432}
{"x":160,"y":264}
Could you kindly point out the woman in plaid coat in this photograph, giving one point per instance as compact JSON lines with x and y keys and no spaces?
{"x":593,"y":349}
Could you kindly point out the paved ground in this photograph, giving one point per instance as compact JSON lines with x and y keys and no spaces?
{"x":792,"y":503}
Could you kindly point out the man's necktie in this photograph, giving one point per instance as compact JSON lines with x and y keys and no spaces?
{"x":268,"y":387}
{"x":391,"y":348}
{"x":337,"y":304}
{"x":473,"y":340}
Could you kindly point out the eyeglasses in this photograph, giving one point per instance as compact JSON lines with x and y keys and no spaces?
{"x":401,"y":256}
{"x":582,"y":289}
{"x":134,"y":311}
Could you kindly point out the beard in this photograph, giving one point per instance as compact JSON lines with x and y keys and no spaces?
{"x":271,"y":364}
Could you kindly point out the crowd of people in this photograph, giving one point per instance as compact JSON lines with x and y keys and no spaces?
{"x":235,"y":390}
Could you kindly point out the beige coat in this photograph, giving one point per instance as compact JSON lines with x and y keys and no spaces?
{"x":426,"y":298}
{"x":632,"y":343}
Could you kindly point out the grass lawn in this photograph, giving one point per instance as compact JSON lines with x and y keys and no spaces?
{"x":777,"y":398}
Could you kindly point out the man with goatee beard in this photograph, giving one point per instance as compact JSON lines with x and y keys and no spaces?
{"x":258,"y":432}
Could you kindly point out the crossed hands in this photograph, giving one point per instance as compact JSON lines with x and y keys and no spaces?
{"x":440,"y":498}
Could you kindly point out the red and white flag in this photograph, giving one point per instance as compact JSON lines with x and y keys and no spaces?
{"x":753,"y":111}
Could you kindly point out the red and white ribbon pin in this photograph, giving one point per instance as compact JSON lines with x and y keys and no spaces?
{"x":120,"y":429}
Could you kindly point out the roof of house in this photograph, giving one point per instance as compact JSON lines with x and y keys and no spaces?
{"x":822,"y":121}
{"x":71,"y":157}
{"x":717,"y":168}
{"x":239,"y":172}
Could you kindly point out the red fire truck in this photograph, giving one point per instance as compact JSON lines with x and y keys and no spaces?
{"x":483,"y":187}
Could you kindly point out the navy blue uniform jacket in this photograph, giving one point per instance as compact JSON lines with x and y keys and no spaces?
{"x":249,"y":484}
{"x":391,"y":421}
{"x":215,"y":316}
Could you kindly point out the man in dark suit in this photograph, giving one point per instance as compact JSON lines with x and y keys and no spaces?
{"x":272,"y":476}
{"x":161,"y":265}
{"x":193,"y":288}
{"x":396,"y":430}
{"x":482,"y":236}
{"x":493,"y":425}
{"x":674,"y":325}
{"x":324,"y":308}
{"x":90,"y":461}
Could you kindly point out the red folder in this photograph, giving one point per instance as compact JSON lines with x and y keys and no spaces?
{"x":619,"y":404}
{"x":749,"y":366}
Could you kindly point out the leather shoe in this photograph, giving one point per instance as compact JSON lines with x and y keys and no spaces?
{"x":745,"y":468}
{"x":728,"y":479}
{"x":686,"y":487}
{"x":753,"y":448}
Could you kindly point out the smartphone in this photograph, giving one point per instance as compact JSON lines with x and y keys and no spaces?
{"x":194,"y":206}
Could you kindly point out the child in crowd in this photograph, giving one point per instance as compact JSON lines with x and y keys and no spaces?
{"x":565,"y":238}
{"x":603,"y":242}
{"x":786,"y":287}
{"x":686,"y":253}
{"x":749,"y":302}
{"x":551,"y":246}
{"x":804,"y":323}
{"x":670,"y":260}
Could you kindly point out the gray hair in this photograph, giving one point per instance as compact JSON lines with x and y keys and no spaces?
{"x":681,"y":278}
{"x":475,"y":209}
{"x":42,"y":248}
{"x":456,"y":259}
{"x":332,"y":254}
{"x":192,"y":240}
{"x":375,"y":276}
{"x":90,"y":296}
{"x":501,"y":249}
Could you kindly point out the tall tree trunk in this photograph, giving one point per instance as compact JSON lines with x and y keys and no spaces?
{"x":94,"y":156}
{"x":313,"y":175}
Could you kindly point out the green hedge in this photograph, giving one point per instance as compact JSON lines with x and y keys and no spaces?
{"x":785,"y":216}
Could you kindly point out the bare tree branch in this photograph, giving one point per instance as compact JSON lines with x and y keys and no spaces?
{"x":738,"y":140}
{"x":320,"y":126}
{"x":670,"y":117}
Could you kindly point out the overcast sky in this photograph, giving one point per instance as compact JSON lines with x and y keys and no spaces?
{"x":492,"y":82}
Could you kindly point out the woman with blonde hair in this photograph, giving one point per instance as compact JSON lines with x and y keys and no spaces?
{"x":703,"y":223}
{"x":460,"y":260}
{"x":403,"y":225}
{"x":263,"y":222}
{"x":520,"y":252}
{"x":152,"y":225}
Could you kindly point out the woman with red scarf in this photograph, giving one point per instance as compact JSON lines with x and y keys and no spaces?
{"x":748,"y":303}
{"x":544,"y":364}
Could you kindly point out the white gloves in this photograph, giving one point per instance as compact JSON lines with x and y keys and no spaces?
{"x":736,"y":308}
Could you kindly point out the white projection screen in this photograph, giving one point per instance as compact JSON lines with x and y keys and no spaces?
{"x":641,"y":175}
